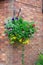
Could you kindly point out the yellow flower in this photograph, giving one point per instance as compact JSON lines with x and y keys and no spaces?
{"x":26,"y":41}
{"x":20,"y":40}
{"x":13,"y":38}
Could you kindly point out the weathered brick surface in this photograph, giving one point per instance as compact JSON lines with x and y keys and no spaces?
{"x":31,"y":11}
{"x":34,"y":3}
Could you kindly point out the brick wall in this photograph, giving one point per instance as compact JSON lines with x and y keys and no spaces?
{"x":31,"y":11}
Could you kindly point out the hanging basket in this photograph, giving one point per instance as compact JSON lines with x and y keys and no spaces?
{"x":19,"y":31}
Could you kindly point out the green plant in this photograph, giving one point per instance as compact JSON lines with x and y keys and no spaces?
{"x":19,"y":30}
{"x":40,"y":60}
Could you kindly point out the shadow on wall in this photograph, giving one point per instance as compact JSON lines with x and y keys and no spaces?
{"x":5,"y":0}
{"x":42,"y":6}
{"x":2,"y":0}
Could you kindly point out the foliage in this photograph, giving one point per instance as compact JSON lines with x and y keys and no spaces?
{"x":19,"y":30}
{"x":40,"y":60}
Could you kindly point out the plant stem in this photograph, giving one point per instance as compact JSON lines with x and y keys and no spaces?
{"x":22,"y":54}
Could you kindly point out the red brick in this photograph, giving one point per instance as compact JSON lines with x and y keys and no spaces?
{"x":31,"y":11}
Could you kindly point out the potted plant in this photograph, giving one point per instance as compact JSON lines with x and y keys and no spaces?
{"x":19,"y":30}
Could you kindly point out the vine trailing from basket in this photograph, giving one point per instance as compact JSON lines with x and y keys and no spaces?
{"x":23,"y":54}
